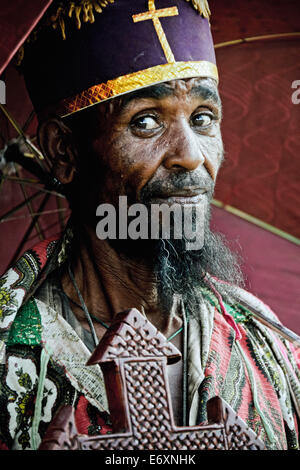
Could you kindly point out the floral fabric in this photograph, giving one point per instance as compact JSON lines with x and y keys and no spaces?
{"x":42,"y":362}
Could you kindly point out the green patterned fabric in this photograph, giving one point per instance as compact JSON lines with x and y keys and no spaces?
{"x":26,"y":328}
{"x":240,"y":313}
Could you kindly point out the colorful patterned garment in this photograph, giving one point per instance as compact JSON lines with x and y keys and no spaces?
{"x":43,"y":357}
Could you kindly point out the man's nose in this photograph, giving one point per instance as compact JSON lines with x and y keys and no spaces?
{"x":183,"y":150}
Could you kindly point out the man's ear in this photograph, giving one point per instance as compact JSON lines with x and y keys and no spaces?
{"x":56,"y":142}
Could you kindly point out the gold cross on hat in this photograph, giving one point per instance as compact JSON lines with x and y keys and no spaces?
{"x":154,"y":15}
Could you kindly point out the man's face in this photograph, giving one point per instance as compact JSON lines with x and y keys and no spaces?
{"x":162,"y":142}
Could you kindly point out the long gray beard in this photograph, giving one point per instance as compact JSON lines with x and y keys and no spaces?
{"x":183,"y":273}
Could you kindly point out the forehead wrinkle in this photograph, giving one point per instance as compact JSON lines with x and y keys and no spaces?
{"x":156,"y":92}
{"x":206,"y":93}
{"x":164,"y":90}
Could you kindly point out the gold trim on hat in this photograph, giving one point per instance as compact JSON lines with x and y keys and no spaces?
{"x":135,"y":81}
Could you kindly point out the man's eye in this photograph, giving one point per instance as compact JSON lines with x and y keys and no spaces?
{"x":146,"y":122}
{"x":202,"y":120}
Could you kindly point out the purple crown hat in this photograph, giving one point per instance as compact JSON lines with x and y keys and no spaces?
{"x":130,"y":45}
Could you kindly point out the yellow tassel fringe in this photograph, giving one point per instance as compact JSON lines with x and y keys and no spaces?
{"x":80,"y":11}
{"x":202,"y":7}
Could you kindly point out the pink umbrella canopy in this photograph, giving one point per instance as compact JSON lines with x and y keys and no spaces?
{"x":257,"y":199}
{"x":17,"y":20}
{"x":258,"y":186}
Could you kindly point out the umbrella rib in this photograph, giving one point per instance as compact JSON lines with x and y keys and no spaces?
{"x":51,"y":211}
{"x":28,"y":121}
{"x":28,"y":203}
{"x":60,"y":214}
{"x":37,"y":155}
{"x":29,"y":230}
{"x":295,"y":34}
{"x":260,"y":223}
{"x":19,"y":206}
{"x":36,"y":152}
{"x":34,"y":184}
{"x":17,"y":179}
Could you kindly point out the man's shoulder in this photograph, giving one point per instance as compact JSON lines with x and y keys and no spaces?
{"x":240,"y":301}
{"x":17,"y":283}
{"x":252,"y":301}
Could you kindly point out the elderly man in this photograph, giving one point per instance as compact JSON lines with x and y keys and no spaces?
{"x":152,"y":135}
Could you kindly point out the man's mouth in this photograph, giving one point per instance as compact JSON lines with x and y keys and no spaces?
{"x":183,"y":197}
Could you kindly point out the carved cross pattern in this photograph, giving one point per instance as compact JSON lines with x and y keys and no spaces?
{"x":133,"y":356}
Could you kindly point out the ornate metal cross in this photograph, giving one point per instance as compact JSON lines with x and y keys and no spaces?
{"x":154,"y":15}
{"x":133,"y":356}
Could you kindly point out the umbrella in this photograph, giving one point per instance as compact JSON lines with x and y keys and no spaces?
{"x":30,"y":209}
{"x":17,"y":20}
{"x":258,"y":196}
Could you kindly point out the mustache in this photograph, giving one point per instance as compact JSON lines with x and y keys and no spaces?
{"x":176,"y":183}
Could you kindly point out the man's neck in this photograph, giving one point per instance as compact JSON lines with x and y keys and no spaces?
{"x":111,"y":282}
